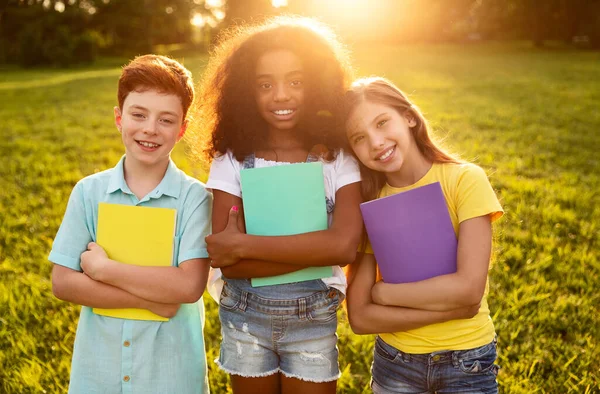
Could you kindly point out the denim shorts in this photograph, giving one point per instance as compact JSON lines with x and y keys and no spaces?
{"x":460,"y":371}
{"x":291,"y":331}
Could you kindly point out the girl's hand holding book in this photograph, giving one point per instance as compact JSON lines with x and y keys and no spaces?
{"x":224,"y":248}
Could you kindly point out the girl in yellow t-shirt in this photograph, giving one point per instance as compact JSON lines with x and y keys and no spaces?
{"x":435,"y":335}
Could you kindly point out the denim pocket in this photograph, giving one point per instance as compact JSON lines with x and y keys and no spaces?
{"x":380,"y":350}
{"x":228,"y":299}
{"x":328,"y":312}
{"x":479,"y":360}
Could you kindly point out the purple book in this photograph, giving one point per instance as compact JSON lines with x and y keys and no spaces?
{"x":411,"y":234}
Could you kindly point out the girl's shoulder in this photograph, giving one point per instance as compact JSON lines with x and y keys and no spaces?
{"x":462,"y":175}
{"x":458,"y":171}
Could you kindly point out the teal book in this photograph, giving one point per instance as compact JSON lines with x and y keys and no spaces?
{"x":285,"y":200}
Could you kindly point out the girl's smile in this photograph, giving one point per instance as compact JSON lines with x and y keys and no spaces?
{"x":280,"y":89}
{"x":386,"y":155}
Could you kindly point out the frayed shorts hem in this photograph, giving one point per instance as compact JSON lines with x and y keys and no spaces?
{"x":312,"y":380}
{"x":246,"y":375}
{"x":274,"y":371}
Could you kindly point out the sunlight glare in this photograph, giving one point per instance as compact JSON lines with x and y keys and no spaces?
{"x":214,"y":3}
{"x":198,"y":20}
{"x":279,"y":3}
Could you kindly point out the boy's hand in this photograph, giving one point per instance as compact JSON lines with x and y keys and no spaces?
{"x":94,"y":260}
{"x":223,"y":248}
{"x":164,"y":310}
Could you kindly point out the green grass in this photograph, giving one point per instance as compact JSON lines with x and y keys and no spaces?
{"x":529,"y":117}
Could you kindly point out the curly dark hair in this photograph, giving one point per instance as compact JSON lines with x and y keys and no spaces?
{"x":226,"y":115}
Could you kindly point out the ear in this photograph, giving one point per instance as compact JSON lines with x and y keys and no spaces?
{"x":118,"y":116}
{"x":410,"y":118}
{"x":182,"y":131}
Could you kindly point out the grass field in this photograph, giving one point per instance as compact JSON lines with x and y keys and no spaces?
{"x":530,"y":117}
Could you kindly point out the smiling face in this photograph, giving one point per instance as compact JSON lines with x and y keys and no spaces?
{"x":150,"y":124}
{"x":279,"y":89}
{"x":381,"y":138}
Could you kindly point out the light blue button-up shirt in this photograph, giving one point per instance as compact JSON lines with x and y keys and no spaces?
{"x":131,"y":356}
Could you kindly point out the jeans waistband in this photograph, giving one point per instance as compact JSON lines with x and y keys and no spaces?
{"x":291,"y":306}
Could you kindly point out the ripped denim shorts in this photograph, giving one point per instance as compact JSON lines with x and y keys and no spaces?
{"x":284,"y":328}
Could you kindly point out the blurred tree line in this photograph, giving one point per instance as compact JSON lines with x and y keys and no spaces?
{"x":65,"y":32}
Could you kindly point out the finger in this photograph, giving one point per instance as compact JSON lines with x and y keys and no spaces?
{"x":232,"y":221}
{"x":91,"y":245}
{"x":216,"y":264}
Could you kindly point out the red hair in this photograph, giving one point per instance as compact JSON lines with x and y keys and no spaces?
{"x":160,"y":73}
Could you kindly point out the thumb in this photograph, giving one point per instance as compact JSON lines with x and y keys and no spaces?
{"x":233,"y":216}
{"x":92,"y":245}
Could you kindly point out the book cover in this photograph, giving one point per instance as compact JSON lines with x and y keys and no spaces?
{"x":411,"y":234}
{"x":139,"y":236}
{"x":285,"y":200}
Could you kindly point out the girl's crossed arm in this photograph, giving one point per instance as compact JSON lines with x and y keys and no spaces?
{"x":367,"y":317}
{"x":276,"y":255}
{"x":446,"y":292}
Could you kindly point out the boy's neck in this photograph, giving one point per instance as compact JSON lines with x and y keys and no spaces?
{"x":142,"y":179}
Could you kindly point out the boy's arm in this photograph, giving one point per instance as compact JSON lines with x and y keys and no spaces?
{"x":184,"y":283}
{"x":334,"y":246}
{"x":445,"y":292}
{"x":78,"y":288}
{"x":68,"y":282}
{"x":367,"y":317}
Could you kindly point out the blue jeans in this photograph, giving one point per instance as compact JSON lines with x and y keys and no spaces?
{"x":284,"y":328}
{"x":459,"y":371}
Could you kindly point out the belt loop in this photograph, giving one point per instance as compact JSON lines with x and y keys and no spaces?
{"x":302,"y":309}
{"x":244,"y":300}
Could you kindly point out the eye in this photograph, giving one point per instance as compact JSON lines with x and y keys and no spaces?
{"x":381,"y":123}
{"x":167,"y":121}
{"x":265,"y":85}
{"x":297,"y":83}
{"x":138,"y":115}
{"x":357,"y":139}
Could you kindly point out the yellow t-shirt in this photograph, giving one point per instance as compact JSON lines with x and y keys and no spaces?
{"x":468,"y":194}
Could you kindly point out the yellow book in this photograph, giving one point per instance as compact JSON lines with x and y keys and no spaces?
{"x":138,"y":236}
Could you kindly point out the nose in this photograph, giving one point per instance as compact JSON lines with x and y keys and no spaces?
{"x":282,"y":93}
{"x":376,"y":140}
{"x":150,"y":126}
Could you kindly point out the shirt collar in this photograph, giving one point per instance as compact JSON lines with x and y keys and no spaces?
{"x":170,"y":184}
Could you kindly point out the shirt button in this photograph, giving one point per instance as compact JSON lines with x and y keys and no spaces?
{"x":436,"y":358}
{"x":126,"y":343}
{"x":126,"y":378}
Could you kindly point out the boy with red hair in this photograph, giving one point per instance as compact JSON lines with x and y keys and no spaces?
{"x":114,"y":355}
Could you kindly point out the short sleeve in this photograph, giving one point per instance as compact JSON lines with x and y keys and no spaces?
{"x":225,"y":175}
{"x":196,"y":224}
{"x":475,"y":196}
{"x":73,"y":234}
{"x":346,"y":169}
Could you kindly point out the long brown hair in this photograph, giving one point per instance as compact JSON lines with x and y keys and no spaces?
{"x":226,"y":114}
{"x":382,"y":91}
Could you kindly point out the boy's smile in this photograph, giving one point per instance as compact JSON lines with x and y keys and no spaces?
{"x":150,"y":123}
